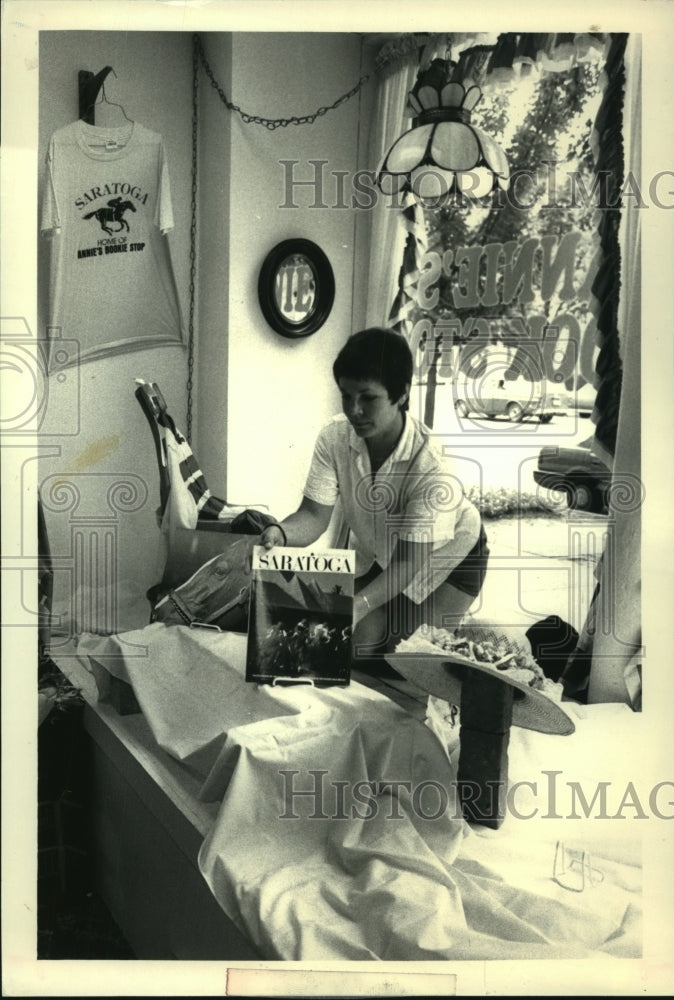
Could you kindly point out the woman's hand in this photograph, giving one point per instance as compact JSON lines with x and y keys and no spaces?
{"x":300,"y":529}
{"x":272,"y":535}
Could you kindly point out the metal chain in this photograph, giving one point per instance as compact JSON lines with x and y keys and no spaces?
{"x":271,"y":123}
{"x":193,"y":242}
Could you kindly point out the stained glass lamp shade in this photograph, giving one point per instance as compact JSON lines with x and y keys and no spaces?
{"x":443,"y":153}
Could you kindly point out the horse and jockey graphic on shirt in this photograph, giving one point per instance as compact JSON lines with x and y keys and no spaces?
{"x":112,"y":213}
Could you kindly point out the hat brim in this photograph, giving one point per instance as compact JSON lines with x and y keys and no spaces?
{"x":442,"y":675}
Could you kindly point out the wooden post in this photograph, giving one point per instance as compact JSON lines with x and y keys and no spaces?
{"x":486,"y":715}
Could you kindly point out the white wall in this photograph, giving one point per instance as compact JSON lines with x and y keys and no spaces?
{"x":113,"y":440}
{"x":256,"y":435}
{"x":211,"y":373}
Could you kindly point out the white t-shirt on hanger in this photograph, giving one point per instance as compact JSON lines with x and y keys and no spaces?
{"x":107,"y":205}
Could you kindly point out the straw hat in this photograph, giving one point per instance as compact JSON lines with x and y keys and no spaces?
{"x":441,"y":674}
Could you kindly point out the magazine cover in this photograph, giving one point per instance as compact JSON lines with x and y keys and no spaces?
{"x":301,"y":616}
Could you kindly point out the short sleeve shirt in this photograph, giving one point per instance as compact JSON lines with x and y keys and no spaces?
{"x":107,"y":206}
{"x":414,"y":496}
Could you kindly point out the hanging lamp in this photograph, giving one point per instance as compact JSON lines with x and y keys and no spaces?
{"x":443,"y":155}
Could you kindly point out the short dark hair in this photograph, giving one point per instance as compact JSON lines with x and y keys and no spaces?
{"x":379,"y":354}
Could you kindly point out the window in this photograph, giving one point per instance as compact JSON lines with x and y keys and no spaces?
{"x":505,"y":288}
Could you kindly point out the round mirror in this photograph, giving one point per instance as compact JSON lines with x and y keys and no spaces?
{"x":296,"y":288}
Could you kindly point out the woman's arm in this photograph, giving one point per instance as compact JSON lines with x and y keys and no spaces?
{"x":303,"y":527}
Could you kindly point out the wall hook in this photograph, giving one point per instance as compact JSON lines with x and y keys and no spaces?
{"x":89,"y":86}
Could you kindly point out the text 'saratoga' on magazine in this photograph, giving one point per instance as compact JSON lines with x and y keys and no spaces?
{"x":301,"y":616}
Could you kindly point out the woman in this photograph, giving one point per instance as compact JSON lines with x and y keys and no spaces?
{"x":420,"y":545}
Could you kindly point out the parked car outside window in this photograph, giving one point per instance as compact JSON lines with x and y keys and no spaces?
{"x":577,"y":473}
{"x":517,"y":400}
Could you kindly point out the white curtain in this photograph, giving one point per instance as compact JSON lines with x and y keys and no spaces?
{"x":387,"y":235}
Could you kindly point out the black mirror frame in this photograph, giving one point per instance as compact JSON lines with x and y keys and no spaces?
{"x":325,"y":288}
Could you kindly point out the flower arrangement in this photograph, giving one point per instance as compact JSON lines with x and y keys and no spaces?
{"x":502,"y":502}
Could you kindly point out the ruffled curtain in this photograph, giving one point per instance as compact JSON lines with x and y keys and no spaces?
{"x":609,"y":163}
{"x":495,"y":60}
{"x":516,"y":55}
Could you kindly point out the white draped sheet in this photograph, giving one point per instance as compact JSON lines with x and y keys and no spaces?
{"x":404,"y":888}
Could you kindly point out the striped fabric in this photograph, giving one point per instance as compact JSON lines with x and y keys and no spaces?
{"x":405,"y":309}
{"x":185,"y":497}
{"x":208,"y":507}
{"x":190,"y":501}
